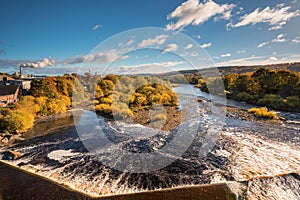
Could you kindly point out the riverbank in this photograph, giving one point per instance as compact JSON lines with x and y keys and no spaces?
{"x":8,"y":138}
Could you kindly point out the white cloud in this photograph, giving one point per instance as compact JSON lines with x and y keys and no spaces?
{"x":170,"y":47}
{"x":159,"y":39}
{"x":194,"y":12}
{"x":189,"y":46}
{"x":275,"y":17}
{"x":127,"y":44}
{"x":148,"y":67}
{"x":190,"y":54}
{"x":41,"y":63}
{"x":96,"y":27}
{"x":260,"y":60}
{"x":206,"y":45}
{"x":241,"y":51}
{"x":262,"y":44}
{"x":102,"y":57}
{"x":274,"y":28}
{"x":241,"y":9}
{"x":272,"y":59}
{"x":241,"y":61}
{"x":225,"y":55}
{"x":280,"y":38}
{"x":296,"y":40}
{"x":130,"y":42}
{"x":198,"y":36}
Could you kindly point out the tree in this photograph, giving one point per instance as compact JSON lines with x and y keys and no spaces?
{"x":229,"y":81}
{"x":19,"y":120}
{"x":28,"y":104}
{"x":56,"y":106}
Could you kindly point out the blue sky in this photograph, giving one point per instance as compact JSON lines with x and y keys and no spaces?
{"x":57,"y":36}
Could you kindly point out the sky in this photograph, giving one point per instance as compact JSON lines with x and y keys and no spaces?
{"x":54,"y":37}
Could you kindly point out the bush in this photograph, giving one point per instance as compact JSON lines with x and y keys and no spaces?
{"x":56,"y":106}
{"x":160,"y":117}
{"x":18,"y":120}
{"x":274,"y":101}
{"x":105,"y":100}
{"x":105,"y":108}
{"x":150,"y":91}
{"x":264,"y":113}
{"x":121,"y":110}
{"x":244,"y":96}
{"x":28,"y":104}
{"x":293,"y":101}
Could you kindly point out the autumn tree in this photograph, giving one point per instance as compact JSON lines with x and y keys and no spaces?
{"x":18,"y":120}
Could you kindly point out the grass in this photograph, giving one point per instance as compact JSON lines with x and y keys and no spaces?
{"x":264,"y":113}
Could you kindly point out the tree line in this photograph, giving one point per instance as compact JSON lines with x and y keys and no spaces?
{"x":110,"y":95}
{"x":52,"y":95}
{"x":278,"y":89}
{"x":123,"y":95}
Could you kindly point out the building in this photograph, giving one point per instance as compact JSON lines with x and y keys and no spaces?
{"x":25,"y":84}
{"x":9,"y":94}
{"x":4,"y":78}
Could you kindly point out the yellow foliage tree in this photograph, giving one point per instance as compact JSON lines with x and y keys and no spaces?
{"x":19,"y":120}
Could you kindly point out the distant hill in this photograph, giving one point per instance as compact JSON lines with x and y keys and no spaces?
{"x":212,"y":72}
{"x":244,"y":69}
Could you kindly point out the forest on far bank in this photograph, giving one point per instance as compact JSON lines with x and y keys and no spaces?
{"x":277,"y":89}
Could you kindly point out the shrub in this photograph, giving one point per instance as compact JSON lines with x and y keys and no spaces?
{"x":56,"y":106}
{"x":150,"y":91}
{"x":160,"y":117}
{"x":263,"y":112}
{"x":28,"y":104}
{"x":105,"y":100}
{"x":274,"y":101}
{"x":105,"y":108}
{"x":18,"y":120}
{"x":293,"y":101}
{"x":244,"y":96}
{"x":165,"y":99}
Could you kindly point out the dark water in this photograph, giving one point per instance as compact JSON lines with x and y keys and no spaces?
{"x":45,"y":128}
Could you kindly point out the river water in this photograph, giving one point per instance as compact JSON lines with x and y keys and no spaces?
{"x":88,"y":153}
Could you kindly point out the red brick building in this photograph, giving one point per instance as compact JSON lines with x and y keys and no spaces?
{"x":9,"y":94}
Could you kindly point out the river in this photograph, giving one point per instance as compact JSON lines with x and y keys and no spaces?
{"x":88,"y":153}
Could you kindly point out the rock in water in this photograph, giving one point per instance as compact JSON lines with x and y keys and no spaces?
{"x":10,"y":155}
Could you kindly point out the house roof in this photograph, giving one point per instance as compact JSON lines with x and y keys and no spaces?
{"x":8,"y":89}
{"x":7,"y":76}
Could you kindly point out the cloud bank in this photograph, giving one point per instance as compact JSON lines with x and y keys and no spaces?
{"x":193,"y":12}
{"x":274,"y":17}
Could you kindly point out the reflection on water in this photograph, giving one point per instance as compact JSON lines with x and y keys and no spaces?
{"x":47,"y":126}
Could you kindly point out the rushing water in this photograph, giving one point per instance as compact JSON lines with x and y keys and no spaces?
{"x":263,"y":158}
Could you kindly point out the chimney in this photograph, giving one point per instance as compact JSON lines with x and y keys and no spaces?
{"x":20,"y":72}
